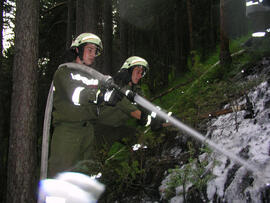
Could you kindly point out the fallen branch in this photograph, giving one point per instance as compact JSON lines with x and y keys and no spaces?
{"x":170,"y":90}
{"x":223,"y":111}
{"x":248,"y":106}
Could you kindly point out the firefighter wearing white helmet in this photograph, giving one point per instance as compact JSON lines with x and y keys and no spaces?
{"x":112,"y":123}
{"x":135,"y":61}
{"x":129,"y":76}
{"x":86,"y":43}
{"x":132,"y":70}
{"x":74,"y":108}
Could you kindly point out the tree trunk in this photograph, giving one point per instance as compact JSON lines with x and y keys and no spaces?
{"x":22,"y":174}
{"x":212,"y":26}
{"x":164,"y":52}
{"x":90,"y":16}
{"x":86,"y":16}
{"x":225,"y":56}
{"x":107,"y":38}
{"x":242,"y":30}
{"x":79,"y":16}
{"x":3,"y":147}
{"x":189,"y":12}
{"x":123,"y":31}
{"x":70,"y":19}
{"x":176,"y":36}
{"x":131,"y":39}
{"x":235,"y":18}
{"x":190,"y":28}
{"x":1,"y":26}
{"x":244,"y":24}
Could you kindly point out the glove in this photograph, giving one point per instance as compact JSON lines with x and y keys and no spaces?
{"x":122,"y":77}
{"x":156,"y":124}
{"x":152,"y":120}
{"x":112,"y":97}
{"x":130,"y":95}
{"x":144,"y":118}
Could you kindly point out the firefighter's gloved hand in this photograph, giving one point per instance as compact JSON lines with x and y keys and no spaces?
{"x":122,"y":77}
{"x":144,"y":119}
{"x":151,"y":120}
{"x":130,"y":95}
{"x":112,"y":97}
{"x":156,"y":124}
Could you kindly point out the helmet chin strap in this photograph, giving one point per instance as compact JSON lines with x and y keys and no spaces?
{"x":80,"y":53}
{"x":85,"y":63}
{"x":130,"y":75}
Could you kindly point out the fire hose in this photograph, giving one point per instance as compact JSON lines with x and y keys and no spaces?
{"x":107,"y":81}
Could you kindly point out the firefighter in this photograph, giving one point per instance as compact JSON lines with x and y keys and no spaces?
{"x":74,"y":108}
{"x":111,"y":124}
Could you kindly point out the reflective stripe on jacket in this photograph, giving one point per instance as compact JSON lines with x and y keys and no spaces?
{"x":74,"y":93}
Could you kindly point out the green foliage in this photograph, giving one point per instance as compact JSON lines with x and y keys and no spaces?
{"x":236,"y":44}
{"x":123,"y":169}
{"x":172,"y":75}
{"x":212,"y":85}
{"x":195,"y":65}
{"x":127,"y":173}
{"x":151,"y":139}
{"x":117,"y":153}
{"x":145,"y":90}
{"x":120,"y":171}
{"x":193,"y":173}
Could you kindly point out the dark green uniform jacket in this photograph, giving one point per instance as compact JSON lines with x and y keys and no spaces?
{"x":74,"y":112}
{"x":112,"y":123}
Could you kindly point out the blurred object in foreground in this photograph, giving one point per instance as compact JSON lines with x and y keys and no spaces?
{"x":70,"y":187}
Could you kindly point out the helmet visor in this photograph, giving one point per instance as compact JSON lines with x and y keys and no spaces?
{"x":144,"y":70}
